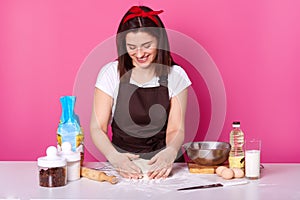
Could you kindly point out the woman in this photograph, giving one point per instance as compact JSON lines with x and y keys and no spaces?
{"x":143,"y":94}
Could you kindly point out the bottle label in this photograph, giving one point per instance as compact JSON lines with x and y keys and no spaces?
{"x":237,"y":161}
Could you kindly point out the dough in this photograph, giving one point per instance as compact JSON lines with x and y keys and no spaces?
{"x":142,"y":164}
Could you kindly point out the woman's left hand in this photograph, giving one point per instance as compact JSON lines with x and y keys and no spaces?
{"x":162,"y":163}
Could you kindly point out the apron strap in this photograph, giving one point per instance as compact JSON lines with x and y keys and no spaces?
{"x":163,"y":78}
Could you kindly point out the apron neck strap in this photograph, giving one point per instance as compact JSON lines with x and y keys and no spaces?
{"x":126,"y":77}
{"x":163,"y":78}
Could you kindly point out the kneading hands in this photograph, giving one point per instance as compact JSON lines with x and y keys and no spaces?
{"x":160,"y":165}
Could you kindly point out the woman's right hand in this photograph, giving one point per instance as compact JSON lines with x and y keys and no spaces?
{"x":124,"y":166}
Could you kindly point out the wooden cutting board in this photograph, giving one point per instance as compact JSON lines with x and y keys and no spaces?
{"x":202,"y":169}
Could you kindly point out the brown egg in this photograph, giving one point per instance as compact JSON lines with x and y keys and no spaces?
{"x":238,"y":173}
{"x":227,"y":174}
{"x":219,"y":170}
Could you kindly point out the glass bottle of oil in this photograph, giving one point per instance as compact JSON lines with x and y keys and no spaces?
{"x":236,"y":155}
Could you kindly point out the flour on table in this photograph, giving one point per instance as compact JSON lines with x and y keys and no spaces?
{"x":142,"y":164}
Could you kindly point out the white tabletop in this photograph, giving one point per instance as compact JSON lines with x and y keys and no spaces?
{"x":19,"y":180}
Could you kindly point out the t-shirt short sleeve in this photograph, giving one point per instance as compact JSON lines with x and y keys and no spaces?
{"x":108,"y":78}
{"x":178,"y":80}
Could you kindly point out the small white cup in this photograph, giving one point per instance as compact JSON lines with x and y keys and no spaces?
{"x":252,"y":159}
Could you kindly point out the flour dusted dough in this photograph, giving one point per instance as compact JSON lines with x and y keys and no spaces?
{"x":142,"y":164}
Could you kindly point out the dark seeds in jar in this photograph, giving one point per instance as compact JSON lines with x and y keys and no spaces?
{"x":52,"y":177}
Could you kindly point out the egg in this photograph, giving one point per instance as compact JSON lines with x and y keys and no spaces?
{"x":227,"y":174}
{"x":219,"y":170}
{"x":238,"y":173}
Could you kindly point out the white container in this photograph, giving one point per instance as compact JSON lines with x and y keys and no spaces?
{"x":52,"y":169}
{"x":73,"y":161}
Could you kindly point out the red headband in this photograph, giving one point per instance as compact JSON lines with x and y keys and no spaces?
{"x":138,"y":12}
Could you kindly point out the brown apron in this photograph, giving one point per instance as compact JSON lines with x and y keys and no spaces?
{"x":140,"y":118}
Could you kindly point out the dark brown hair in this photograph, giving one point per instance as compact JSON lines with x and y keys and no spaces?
{"x":144,"y":24}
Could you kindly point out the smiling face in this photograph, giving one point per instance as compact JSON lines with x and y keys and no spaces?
{"x":142,"y":48}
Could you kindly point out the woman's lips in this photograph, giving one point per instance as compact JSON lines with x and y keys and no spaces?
{"x":142,"y":59}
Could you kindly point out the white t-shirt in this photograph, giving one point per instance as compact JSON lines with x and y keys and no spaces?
{"x":108,"y":81}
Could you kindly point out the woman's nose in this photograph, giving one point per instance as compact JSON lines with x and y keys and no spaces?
{"x":139,"y":52}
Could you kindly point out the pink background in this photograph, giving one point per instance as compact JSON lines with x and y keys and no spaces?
{"x":254,"y":44}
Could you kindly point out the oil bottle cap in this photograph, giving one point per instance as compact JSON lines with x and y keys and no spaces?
{"x":236,"y":124}
{"x":52,"y":159}
{"x":68,"y":154}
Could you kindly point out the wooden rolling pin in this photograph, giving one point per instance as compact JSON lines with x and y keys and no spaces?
{"x":97,"y":175}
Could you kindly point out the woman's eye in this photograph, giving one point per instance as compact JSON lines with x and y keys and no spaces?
{"x":131,"y":47}
{"x":147,"y":46}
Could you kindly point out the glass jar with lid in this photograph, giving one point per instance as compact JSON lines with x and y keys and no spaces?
{"x":52,"y":169}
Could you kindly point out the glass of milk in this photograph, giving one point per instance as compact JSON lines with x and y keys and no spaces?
{"x":252,"y":159}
